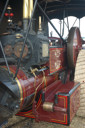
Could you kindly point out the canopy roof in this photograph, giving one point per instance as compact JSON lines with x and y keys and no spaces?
{"x":60,"y":8}
{"x":54,"y":8}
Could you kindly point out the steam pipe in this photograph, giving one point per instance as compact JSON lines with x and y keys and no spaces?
{"x":27,"y":12}
{"x":30,"y":8}
{"x":27,"y":31}
{"x":25,"y":9}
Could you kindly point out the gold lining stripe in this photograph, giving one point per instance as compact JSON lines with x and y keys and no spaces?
{"x":63,"y":121}
{"x":21,"y":92}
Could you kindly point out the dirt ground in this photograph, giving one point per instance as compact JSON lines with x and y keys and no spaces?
{"x":21,"y":122}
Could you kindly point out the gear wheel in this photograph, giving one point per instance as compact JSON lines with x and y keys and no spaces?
{"x":80,"y":77}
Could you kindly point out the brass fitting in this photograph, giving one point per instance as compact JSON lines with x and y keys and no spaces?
{"x":40,"y":24}
{"x":30,"y":8}
{"x":27,"y":8}
{"x":47,"y":106}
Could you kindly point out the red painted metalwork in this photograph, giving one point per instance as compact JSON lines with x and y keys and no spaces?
{"x":74,"y":103}
{"x":63,"y":108}
{"x":57,"y":59}
{"x":46,"y":88}
{"x":52,"y":88}
{"x":28,"y":85}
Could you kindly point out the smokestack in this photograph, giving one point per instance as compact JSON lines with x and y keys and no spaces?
{"x":27,"y":12}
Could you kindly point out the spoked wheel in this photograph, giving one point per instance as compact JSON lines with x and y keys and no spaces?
{"x":73,"y":46}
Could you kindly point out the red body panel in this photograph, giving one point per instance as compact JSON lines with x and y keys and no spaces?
{"x":65,"y":97}
{"x":65,"y":109}
{"x":74,"y":103}
{"x":57,"y":59}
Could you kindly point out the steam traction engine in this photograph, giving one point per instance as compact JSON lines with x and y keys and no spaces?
{"x":37,"y":80}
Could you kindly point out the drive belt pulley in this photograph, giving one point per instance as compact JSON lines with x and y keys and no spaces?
{"x":74,"y":44}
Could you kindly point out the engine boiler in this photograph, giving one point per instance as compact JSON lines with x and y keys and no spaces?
{"x":36,"y":72}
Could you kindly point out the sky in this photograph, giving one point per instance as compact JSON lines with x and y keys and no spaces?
{"x":71,"y":20}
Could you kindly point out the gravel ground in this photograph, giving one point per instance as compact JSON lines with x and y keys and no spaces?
{"x":21,"y":122}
